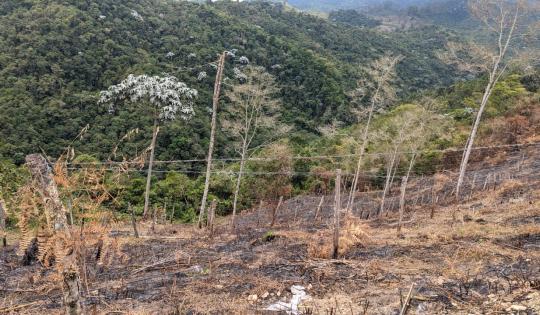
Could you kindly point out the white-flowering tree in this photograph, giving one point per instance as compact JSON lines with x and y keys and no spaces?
{"x":253,"y":108}
{"x":379,"y":89}
{"x":165,"y":96}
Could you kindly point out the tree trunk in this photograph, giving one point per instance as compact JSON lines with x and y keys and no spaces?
{"x":215,"y":102}
{"x":403,"y":192}
{"x":337,"y":208}
{"x":494,"y":76}
{"x":237,"y":187}
{"x":388,"y":178}
{"x":42,"y":177}
{"x":350,"y":200}
{"x":71,"y":292}
{"x":55,"y":210}
{"x":150,"y":165}
{"x":3,"y":211}
{"x":472,"y":136}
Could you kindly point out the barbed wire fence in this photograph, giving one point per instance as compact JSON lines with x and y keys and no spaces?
{"x":519,"y":162}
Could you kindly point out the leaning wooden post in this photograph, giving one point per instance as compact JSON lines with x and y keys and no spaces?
{"x":405,"y":306}
{"x":56,"y":213}
{"x":337,"y":208}
{"x":319,"y":208}
{"x":3,"y":212}
{"x":275,"y":212}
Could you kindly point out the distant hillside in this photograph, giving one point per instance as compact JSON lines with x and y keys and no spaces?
{"x":331,"y":5}
{"x":55,"y":56}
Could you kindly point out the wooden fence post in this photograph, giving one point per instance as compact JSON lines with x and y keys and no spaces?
{"x":164,"y":215}
{"x":275,"y":212}
{"x":486,"y":182}
{"x":211,"y":216}
{"x":402,"y":204}
{"x":337,"y":208}
{"x":259,"y":210}
{"x":171,"y":218}
{"x":3,"y":212}
{"x":133,"y":221}
{"x":153,"y":226}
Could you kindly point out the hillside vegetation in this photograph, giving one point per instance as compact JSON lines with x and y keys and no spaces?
{"x":227,"y":157}
{"x":56,"y":55}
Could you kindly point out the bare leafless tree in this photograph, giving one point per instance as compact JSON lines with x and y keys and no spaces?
{"x":254,"y":107}
{"x":402,"y":132}
{"x":500,"y":18}
{"x":379,"y":89}
{"x":423,"y":124}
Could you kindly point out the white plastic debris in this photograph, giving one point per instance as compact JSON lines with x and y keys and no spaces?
{"x":299,"y":294}
{"x":196,"y":269}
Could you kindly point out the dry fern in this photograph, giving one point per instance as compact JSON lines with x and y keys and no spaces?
{"x":352,"y":233}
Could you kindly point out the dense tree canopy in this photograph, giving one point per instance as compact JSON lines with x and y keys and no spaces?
{"x":56,"y":55}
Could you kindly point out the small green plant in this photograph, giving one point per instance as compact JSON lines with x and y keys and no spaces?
{"x":269,"y":236}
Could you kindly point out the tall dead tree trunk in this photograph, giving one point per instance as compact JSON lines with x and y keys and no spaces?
{"x":215,"y":102}
{"x":43,"y":179}
{"x":54,"y":209}
{"x":155,"y":132}
{"x":3,"y":214}
{"x":337,"y":209}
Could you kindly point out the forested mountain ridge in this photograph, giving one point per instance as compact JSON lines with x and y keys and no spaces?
{"x":329,"y":5}
{"x":55,"y":57}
